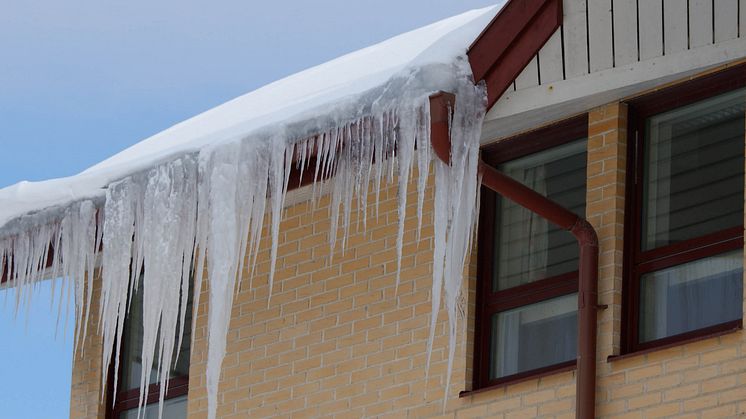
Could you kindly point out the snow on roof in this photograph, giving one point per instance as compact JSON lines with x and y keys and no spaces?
{"x":199,"y":190}
{"x":331,"y":92}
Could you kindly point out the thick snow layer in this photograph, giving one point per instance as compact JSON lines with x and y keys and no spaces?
{"x":196,"y":194}
{"x":303,"y":104}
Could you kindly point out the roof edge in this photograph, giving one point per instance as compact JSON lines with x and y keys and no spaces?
{"x":510,"y":41}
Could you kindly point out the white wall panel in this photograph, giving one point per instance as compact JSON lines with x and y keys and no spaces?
{"x":726,"y":20}
{"x":700,"y":23}
{"x":550,"y":59}
{"x":600,"y":35}
{"x":651,"y":28}
{"x":625,"y":31}
{"x":529,"y":77}
{"x":576,"y":40}
{"x":742,"y":20}
{"x":675,"y":26}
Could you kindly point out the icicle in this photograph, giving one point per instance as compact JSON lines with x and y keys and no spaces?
{"x":78,"y":253}
{"x":280,"y":163}
{"x":208,"y":209}
{"x":456,"y":211}
{"x":423,"y":160}
{"x":119,"y":229}
{"x":221,"y":180}
{"x":405,"y":150}
{"x":168,"y":217}
{"x":440,"y":224}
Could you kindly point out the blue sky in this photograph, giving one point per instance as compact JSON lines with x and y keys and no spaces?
{"x":83,"y":79}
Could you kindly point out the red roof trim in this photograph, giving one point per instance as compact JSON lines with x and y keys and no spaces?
{"x":511,"y":40}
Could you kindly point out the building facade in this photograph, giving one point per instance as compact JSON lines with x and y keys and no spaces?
{"x":620,"y":118}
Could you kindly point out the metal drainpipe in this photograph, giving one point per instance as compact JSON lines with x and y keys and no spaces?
{"x":582,"y":230}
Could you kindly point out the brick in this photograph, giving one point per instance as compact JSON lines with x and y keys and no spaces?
{"x":718,"y":384}
{"x":643,"y":373}
{"x":502,"y":406}
{"x":626,"y":391}
{"x":719,"y":356}
{"x":662,"y":410}
{"x":644,"y":400}
{"x":538,"y":397}
{"x":528,"y":412}
{"x":699,"y":403}
{"x":733,"y":395}
{"x":683,"y":392}
{"x":720,"y":412}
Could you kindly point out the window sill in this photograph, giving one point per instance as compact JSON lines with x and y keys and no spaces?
{"x":733,"y":329}
{"x":559,"y":368}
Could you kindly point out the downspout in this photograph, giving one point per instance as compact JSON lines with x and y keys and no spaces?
{"x":582,"y":230}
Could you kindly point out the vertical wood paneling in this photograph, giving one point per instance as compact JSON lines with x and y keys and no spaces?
{"x":529,"y":77}
{"x":600,"y":38}
{"x":625,"y":31}
{"x":700,"y":23}
{"x":726,"y":20}
{"x":675,"y":26}
{"x":651,"y":28}
{"x":576,"y":39}
{"x":550,"y":59}
{"x":742,"y":20}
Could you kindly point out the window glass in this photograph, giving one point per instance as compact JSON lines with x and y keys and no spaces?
{"x":528,"y":248}
{"x":534,"y":336}
{"x":691,"y":296}
{"x":693,"y":177}
{"x":132,"y":347}
{"x":175,"y":408}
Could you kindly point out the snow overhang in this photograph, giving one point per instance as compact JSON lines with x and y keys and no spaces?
{"x":200,"y":190}
{"x":298,"y":106}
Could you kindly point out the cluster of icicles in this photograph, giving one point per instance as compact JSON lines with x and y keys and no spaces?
{"x":166,"y":223}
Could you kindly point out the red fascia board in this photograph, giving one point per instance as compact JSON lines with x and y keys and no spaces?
{"x":502,"y":31}
{"x":511,"y":40}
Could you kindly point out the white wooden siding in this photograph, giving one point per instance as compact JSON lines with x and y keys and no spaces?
{"x":576,"y":38}
{"x":597,"y":35}
{"x":529,"y":77}
{"x":551,"y":61}
{"x":675,"y":25}
{"x":625,"y":41}
{"x":726,"y":20}
{"x":700,"y":23}
{"x":651,"y":28}
{"x":600,"y":39}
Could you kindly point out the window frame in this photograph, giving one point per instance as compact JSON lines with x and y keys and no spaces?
{"x":489,"y":302}
{"x":637,"y":262}
{"x":129,"y":399}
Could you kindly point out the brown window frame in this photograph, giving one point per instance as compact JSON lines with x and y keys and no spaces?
{"x":638,"y":262}
{"x":128,"y":399}
{"x":489,"y":302}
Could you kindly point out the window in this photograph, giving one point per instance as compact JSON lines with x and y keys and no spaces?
{"x":130,"y":369}
{"x":684,"y":269}
{"x":528,"y":269}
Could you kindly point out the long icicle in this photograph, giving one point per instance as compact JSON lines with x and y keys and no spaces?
{"x":207,"y":209}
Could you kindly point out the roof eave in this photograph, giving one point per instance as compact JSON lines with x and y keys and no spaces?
{"x":510,"y":41}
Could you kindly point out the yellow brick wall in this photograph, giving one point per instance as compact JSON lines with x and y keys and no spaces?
{"x":87,"y":389}
{"x":337,"y":341}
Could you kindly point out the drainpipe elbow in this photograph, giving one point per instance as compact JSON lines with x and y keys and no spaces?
{"x":584,"y":233}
